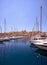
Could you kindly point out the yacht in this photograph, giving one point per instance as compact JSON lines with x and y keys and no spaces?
{"x":40,"y":40}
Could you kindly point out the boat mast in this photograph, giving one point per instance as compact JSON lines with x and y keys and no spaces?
{"x":4,"y":25}
{"x":37,"y":25}
{"x":41,"y":19}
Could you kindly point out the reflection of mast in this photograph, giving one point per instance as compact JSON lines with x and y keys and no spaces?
{"x":41,"y":19}
{"x":4,"y":25}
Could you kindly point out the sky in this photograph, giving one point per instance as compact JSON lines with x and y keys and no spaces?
{"x":21,"y":14}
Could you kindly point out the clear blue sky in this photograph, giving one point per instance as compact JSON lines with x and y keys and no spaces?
{"x":21,"y":14}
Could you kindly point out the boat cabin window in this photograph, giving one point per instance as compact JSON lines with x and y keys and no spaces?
{"x":35,"y":38}
{"x":43,"y":38}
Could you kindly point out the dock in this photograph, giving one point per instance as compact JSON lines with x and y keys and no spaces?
{"x":10,"y":38}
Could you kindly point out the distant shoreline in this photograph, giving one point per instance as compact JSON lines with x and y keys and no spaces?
{"x":23,"y":33}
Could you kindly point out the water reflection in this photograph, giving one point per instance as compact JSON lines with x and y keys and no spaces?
{"x":41,"y":52}
{"x":1,"y":42}
{"x":38,"y":51}
{"x":22,"y":52}
{"x":18,"y":40}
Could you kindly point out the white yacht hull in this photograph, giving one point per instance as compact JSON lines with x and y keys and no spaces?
{"x":42,"y":44}
{"x":42,"y":47}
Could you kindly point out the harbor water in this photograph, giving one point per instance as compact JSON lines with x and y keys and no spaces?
{"x":21,"y":52}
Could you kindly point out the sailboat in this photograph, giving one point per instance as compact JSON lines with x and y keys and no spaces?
{"x":40,"y":41}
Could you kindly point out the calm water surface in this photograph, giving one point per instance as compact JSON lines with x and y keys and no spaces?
{"x":21,"y":52}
